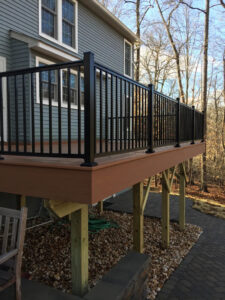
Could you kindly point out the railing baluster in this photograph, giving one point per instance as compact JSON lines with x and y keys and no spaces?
{"x":106,"y":112}
{"x":151,"y":100}
{"x":68,"y":112}
{"x":95,"y":127}
{"x":146,"y":120}
{"x":8,"y":114}
{"x":59,"y":113}
{"x":41,"y":112}
{"x":129,"y":116}
{"x":125,"y":115}
{"x":136,"y":117}
{"x":24,"y":116}
{"x":100,"y":108}
{"x":121,"y":114}
{"x":116,"y":142}
{"x":32,"y":111}
{"x":1,"y":117}
{"x":111,"y":123}
{"x":79,"y":113}
{"x":133,"y":118}
{"x":139,"y":125}
{"x":16,"y":114}
{"x":142,"y":118}
{"x":178,"y":123}
{"x":50,"y":110}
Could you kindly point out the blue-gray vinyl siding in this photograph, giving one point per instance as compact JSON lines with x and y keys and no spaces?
{"x":93,"y":35}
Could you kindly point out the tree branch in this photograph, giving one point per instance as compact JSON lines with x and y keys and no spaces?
{"x":222,"y":3}
{"x":188,"y":5}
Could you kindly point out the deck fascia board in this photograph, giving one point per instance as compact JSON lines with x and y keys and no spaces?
{"x":64,"y":179}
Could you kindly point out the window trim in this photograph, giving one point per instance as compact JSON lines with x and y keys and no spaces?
{"x":131,"y":58}
{"x":59,"y":19}
{"x":63,"y":104}
{"x":54,"y":103}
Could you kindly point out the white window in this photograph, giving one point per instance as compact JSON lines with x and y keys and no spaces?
{"x":58,"y":22}
{"x":74,"y":86}
{"x":49,"y":18}
{"x":127,"y":58}
{"x":73,"y":89}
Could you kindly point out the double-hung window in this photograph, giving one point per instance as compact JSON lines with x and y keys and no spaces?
{"x":127,"y":58}
{"x":68,"y":23}
{"x":49,"y":82}
{"x":58,"y":22}
{"x":74,"y":90}
{"x":49,"y":17}
{"x":45,"y":81}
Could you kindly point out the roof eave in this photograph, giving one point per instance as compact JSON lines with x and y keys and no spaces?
{"x":109,"y":18}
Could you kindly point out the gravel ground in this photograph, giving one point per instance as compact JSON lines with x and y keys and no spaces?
{"x":47,"y":251}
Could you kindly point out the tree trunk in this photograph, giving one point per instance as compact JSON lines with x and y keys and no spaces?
{"x":205,"y":73}
{"x":138,"y":33}
{"x":223,"y":128}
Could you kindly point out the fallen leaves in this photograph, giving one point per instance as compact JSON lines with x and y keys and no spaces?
{"x":47,"y":251}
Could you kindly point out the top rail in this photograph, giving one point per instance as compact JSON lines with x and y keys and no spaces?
{"x":120,"y":76}
{"x":42,"y":68}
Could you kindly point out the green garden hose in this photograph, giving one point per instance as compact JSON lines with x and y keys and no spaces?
{"x":95,"y":225}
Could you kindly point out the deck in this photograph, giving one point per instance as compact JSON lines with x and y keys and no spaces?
{"x":78,"y":149}
{"x":64,"y":178}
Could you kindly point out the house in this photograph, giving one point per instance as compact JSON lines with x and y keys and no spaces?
{"x":67,"y":95}
{"x":42,"y":32}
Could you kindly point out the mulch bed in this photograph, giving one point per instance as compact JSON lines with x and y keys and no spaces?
{"x":47,"y":251}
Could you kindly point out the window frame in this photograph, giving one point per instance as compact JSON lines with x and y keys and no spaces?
{"x":55,"y":15}
{"x":131,"y":58}
{"x":63,"y":104}
{"x":54,"y":103}
{"x":59,"y":26}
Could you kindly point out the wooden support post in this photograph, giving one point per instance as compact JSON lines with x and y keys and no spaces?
{"x":79,"y":251}
{"x":138,"y":219}
{"x":23,"y":202}
{"x":182,"y":198}
{"x":165,"y":211}
{"x":100,"y":207}
{"x":20,"y":201}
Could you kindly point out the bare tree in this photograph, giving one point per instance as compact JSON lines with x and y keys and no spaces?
{"x":206,"y":12}
{"x":157,"y":61}
{"x":116,"y":7}
{"x":167,"y":24}
{"x":141,"y":9}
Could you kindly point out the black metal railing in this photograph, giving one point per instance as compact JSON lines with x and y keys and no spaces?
{"x":84,"y":110}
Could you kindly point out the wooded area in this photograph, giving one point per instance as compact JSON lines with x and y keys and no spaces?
{"x":182,"y":52}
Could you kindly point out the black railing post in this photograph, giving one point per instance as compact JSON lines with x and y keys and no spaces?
{"x":193,"y":125}
{"x":203,"y":126}
{"x":150,"y":118}
{"x":89,"y":107}
{"x":1,"y":119}
{"x":178,"y":124}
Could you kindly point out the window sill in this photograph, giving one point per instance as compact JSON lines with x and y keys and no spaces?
{"x":65,"y":46}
